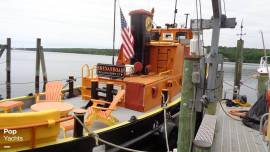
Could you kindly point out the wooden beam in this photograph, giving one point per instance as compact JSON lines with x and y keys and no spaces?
{"x":187,"y":114}
{"x":43,"y":66}
{"x":37,"y":65}
{"x":8,"y":68}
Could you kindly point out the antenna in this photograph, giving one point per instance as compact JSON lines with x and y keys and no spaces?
{"x":241,"y":30}
{"x":263,"y":43}
{"x":175,"y":12}
{"x":114,"y":14}
{"x":186,"y":19}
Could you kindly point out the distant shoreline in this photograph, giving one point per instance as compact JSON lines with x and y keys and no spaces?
{"x":251,"y":55}
{"x":93,"y":51}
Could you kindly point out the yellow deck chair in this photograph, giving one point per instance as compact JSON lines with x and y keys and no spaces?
{"x":104,"y":114}
{"x":53,"y":92}
{"x":97,"y":113}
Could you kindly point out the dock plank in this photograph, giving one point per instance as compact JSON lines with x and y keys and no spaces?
{"x":233,"y":136}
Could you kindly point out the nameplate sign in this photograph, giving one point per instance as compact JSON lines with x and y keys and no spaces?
{"x":111,"y":71}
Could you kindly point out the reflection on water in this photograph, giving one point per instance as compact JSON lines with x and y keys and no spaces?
{"x":61,"y":65}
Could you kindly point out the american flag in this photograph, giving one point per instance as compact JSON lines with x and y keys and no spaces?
{"x":128,"y":40}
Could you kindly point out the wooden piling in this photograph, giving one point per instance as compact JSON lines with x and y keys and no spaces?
{"x":187,"y":114}
{"x":71,"y":86}
{"x":8,"y":68}
{"x":43,"y":67}
{"x":37,"y":65}
{"x":238,"y":65}
{"x":262,"y":84}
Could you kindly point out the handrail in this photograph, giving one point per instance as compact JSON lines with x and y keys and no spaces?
{"x":165,"y":72}
{"x":261,"y":124}
{"x":88,"y":70}
{"x":38,"y":124}
{"x":92,"y":71}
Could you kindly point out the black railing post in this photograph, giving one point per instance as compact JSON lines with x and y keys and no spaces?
{"x":71,"y":86}
{"x":109,"y":92}
{"x":94,"y":91}
{"x":78,"y":128}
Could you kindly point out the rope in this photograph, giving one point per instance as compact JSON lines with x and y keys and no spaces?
{"x":102,"y":140}
{"x":226,"y":112}
{"x":228,"y":83}
{"x":250,"y":77}
{"x":164,"y":106}
{"x":249,"y":87}
{"x":242,"y":84}
{"x":31,"y":82}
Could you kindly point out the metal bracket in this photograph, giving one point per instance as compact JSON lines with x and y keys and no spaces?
{"x":196,"y":73}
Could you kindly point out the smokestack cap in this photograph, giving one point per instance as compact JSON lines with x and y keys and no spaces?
{"x":141,"y":11}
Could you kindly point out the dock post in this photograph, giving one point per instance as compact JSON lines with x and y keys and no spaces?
{"x":37,"y":65}
{"x":71,"y":86}
{"x":187,"y":114}
{"x":238,"y":66}
{"x":262,"y":84}
{"x":43,"y":67}
{"x":109,"y":92}
{"x":94,"y":92}
{"x":78,"y":128}
{"x":8,"y":68}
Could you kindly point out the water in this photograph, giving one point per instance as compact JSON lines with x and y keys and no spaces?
{"x":249,"y":86}
{"x":61,"y":65}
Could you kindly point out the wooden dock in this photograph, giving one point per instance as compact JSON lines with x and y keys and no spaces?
{"x":233,"y":136}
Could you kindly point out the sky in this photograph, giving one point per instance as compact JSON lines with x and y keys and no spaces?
{"x":89,"y":23}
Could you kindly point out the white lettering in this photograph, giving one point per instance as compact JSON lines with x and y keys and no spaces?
{"x":10,"y":131}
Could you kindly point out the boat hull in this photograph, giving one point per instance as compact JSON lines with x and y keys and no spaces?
{"x":126,"y":133}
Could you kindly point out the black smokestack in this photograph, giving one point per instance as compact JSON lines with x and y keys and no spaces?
{"x":141,"y":23}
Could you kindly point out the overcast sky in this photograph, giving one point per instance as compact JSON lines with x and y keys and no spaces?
{"x":89,"y":23}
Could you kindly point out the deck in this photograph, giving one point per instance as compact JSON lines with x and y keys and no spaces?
{"x":122,"y":114}
{"x":233,"y":136}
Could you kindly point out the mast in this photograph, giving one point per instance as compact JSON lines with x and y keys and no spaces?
{"x":175,"y":12}
{"x":114,"y":15}
{"x":265,"y":54}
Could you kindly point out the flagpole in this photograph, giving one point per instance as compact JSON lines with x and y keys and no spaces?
{"x":114,"y":14}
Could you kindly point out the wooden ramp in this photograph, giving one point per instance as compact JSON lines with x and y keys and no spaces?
{"x":233,"y":136}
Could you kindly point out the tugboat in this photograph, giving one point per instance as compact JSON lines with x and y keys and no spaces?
{"x":119,"y":106}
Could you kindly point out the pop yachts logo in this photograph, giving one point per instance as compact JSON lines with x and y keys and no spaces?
{"x":10,"y":135}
